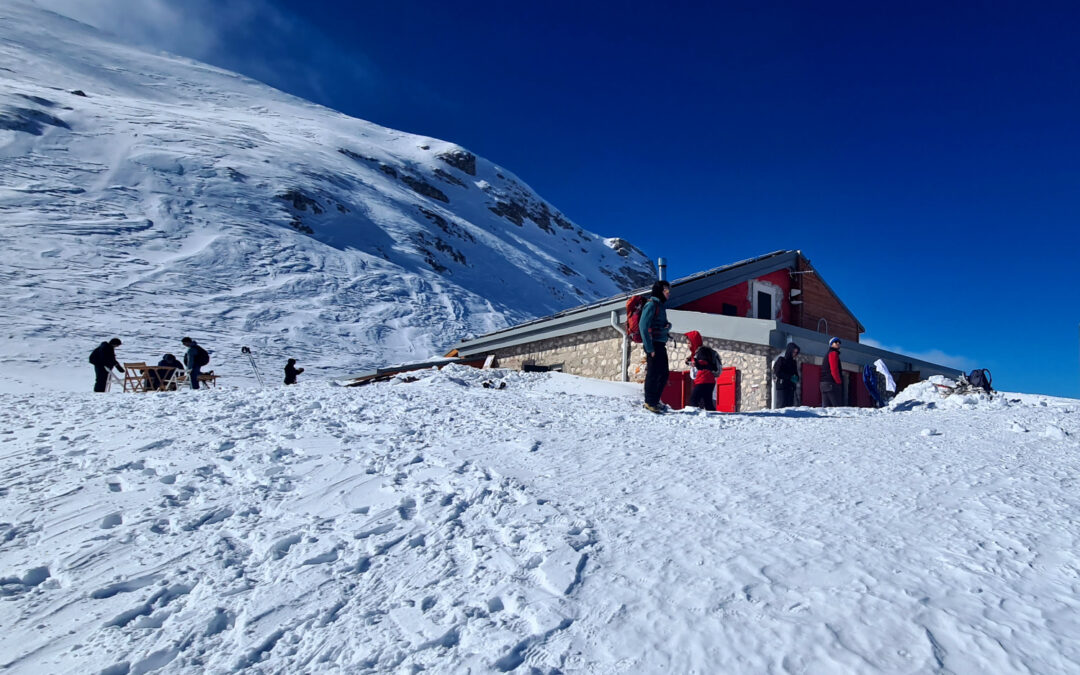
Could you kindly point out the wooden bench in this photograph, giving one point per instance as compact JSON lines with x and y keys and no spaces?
{"x":181,"y":378}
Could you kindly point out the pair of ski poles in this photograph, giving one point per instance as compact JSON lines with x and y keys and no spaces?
{"x":251,"y":359}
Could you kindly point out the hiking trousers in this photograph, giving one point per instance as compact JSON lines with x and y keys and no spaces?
{"x":656,"y":373}
{"x":785,"y":396}
{"x":830,"y":395}
{"x":701,"y":396}
{"x":101,"y":378}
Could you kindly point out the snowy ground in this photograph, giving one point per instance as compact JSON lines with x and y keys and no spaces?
{"x":552,"y":525}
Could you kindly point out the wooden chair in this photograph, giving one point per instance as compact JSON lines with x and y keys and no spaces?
{"x":135,"y":376}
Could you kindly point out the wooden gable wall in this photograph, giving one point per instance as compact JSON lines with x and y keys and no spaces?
{"x":819,"y":303}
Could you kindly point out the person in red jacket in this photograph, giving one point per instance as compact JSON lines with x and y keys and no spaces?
{"x":705,"y":364}
{"x":832,"y":383}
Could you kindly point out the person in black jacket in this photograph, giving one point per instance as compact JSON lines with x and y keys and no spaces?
{"x":156,"y":378}
{"x":786,"y":371}
{"x":104,"y":359}
{"x":291,"y":371}
{"x":194,"y":359}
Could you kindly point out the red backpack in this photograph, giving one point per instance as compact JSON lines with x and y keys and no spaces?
{"x":633,"y":316}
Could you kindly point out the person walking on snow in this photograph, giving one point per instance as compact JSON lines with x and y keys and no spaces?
{"x":654,"y":337}
{"x":704,"y":366}
{"x":104,"y":359}
{"x":832,"y":383}
{"x":291,"y":371}
{"x":194,"y":359}
{"x":786,"y":371}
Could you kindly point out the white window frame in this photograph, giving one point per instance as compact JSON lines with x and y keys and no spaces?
{"x":768,"y":288}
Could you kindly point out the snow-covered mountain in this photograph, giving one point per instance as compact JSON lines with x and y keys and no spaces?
{"x":433,"y":524}
{"x":150,"y":197}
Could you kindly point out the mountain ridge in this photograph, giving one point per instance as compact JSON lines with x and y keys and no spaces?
{"x":152,"y":196}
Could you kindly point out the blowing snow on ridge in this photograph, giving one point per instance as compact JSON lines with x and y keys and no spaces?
{"x":150,"y":196}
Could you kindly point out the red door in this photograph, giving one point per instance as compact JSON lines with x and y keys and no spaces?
{"x":726,"y":384}
{"x":810,"y":380}
{"x":862,"y":396}
{"x":677,"y":390}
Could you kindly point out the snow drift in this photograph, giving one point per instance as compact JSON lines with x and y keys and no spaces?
{"x":551,"y":525}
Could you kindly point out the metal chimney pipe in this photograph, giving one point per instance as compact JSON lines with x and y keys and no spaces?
{"x":661,"y":266}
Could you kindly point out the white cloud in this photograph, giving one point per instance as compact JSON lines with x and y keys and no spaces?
{"x":933,"y":356}
{"x":247,"y":36}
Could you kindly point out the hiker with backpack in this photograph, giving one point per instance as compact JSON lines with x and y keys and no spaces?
{"x":832,"y":382}
{"x":654,"y":328}
{"x":194,"y":359}
{"x":786,"y":372}
{"x":704,"y":365}
{"x":103,"y":359}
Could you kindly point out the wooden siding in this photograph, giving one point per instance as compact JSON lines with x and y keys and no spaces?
{"x":819,"y":303}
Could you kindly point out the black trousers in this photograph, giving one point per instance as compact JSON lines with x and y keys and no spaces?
{"x":830,"y":395}
{"x":701,"y":396}
{"x":785,"y":395}
{"x":101,"y":377}
{"x":656,"y":373}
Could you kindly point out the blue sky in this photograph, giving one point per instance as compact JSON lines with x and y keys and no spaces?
{"x":924,"y":156}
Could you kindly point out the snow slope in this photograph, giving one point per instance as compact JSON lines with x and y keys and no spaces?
{"x":149,"y":196}
{"x":432,"y":523}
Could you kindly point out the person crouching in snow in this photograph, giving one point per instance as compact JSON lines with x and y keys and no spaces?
{"x":654,"y":337}
{"x":704,"y":366}
{"x":291,"y":371}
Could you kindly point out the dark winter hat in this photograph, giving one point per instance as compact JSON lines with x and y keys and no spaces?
{"x":185,"y":341}
{"x":834,"y":341}
{"x":115,"y":342}
{"x":291,"y":361}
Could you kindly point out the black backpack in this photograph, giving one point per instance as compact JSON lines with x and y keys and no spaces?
{"x":709,"y":355}
{"x":980,"y":379}
{"x":201,"y":356}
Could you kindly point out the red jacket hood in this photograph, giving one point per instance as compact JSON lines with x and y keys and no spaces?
{"x":695,"y":341}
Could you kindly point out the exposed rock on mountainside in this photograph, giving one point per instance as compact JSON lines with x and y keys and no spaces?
{"x":277,"y":223}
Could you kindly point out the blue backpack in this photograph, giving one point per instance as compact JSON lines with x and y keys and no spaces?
{"x":870,"y":380}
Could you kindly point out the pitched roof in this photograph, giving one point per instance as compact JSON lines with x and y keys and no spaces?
{"x":597,"y":314}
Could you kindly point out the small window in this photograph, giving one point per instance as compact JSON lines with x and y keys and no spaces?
{"x":729,"y":310}
{"x":764,"y":305}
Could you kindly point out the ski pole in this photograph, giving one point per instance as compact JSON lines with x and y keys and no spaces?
{"x":251,"y":359}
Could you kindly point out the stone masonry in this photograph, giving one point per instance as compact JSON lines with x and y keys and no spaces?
{"x":597,"y":353}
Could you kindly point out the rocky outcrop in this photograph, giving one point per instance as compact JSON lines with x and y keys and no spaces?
{"x":300,"y":201}
{"x":29,"y":120}
{"x":460,"y":159}
{"x":623,"y":247}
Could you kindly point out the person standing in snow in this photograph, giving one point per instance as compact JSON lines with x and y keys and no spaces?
{"x":786,"y":371}
{"x":104,"y":359}
{"x":704,"y":366}
{"x":194,"y":359}
{"x":832,"y":383}
{"x":291,"y":371}
{"x":654,"y":337}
